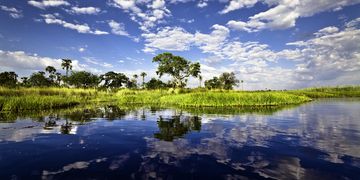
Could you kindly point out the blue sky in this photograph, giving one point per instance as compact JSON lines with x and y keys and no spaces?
{"x":273,"y":44}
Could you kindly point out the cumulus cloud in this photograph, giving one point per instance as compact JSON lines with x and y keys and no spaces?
{"x":154,"y":13}
{"x":48,"y":3}
{"x":81,"y":28}
{"x":282,"y":14}
{"x":13,"y":12}
{"x":173,"y":39}
{"x":238,"y":4}
{"x":117,"y":28}
{"x":24,"y":63}
{"x":85,"y":10}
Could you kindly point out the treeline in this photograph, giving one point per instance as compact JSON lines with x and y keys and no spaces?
{"x":177,"y":67}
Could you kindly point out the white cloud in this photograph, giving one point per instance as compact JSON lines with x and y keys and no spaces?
{"x":82,"y":49}
{"x":81,"y":28}
{"x":94,"y":61}
{"x":24,"y":63}
{"x":118,"y":28}
{"x":13,"y":12}
{"x":48,"y":3}
{"x":154,"y":13}
{"x":282,"y":14}
{"x":173,"y":39}
{"x":202,"y":3}
{"x":85,"y":10}
{"x":238,"y":4}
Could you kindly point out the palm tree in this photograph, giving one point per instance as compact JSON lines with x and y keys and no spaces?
{"x":242,"y":84}
{"x":143,"y":74}
{"x":66,"y":64}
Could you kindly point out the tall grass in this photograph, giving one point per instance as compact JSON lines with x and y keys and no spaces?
{"x":210,"y":98}
{"x":329,"y":92}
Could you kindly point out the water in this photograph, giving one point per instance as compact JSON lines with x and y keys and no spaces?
{"x":317,"y":140}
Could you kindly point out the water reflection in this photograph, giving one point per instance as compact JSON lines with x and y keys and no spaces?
{"x":177,"y":126}
{"x":318,"y":140}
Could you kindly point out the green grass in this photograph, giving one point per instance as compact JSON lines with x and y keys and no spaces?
{"x":21,"y":99}
{"x":329,"y":92}
{"x":209,"y":98}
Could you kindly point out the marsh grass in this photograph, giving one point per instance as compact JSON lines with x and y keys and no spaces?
{"x":329,"y":92}
{"x":21,"y":99}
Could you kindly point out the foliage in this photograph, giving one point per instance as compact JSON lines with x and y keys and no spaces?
{"x":38,"y":79}
{"x":155,"y":84}
{"x":8,"y":79}
{"x":114,"y":80}
{"x":66,"y":64}
{"x":225,"y":81}
{"x":177,"y":67}
{"x":213,"y":83}
{"x":82,"y":79}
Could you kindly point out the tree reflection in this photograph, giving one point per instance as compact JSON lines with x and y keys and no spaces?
{"x":177,"y":126}
{"x":66,"y":128}
{"x":51,"y":123}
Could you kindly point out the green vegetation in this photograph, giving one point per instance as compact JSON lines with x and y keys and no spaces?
{"x":50,"y":89}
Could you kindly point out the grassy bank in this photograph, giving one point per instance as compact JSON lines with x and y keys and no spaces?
{"x":20,"y":99}
{"x":209,"y":98}
{"x":329,"y":92}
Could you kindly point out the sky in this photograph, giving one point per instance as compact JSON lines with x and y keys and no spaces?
{"x":269,"y":44}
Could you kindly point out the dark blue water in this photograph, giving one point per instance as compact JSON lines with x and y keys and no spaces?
{"x":318,"y":140}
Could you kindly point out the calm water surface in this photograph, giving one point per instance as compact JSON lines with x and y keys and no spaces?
{"x":317,"y":140}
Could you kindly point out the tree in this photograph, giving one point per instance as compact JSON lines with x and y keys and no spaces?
{"x":213,"y":83}
{"x":8,"y":79}
{"x":83,"y":79}
{"x":66,"y":64}
{"x":24,"y":81}
{"x":228,"y":80}
{"x":38,"y":79}
{"x":51,"y":70}
{"x":177,"y":67}
{"x":155,"y":84}
{"x":58,"y":78}
{"x":114,"y":80}
{"x":143,"y":74}
{"x":200,"y":80}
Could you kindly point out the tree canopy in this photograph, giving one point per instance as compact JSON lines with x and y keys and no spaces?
{"x":177,"y":67}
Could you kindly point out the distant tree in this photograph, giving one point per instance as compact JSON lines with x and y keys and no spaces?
{"x":51,"y":70}
{"x":155,"y":84}
{"x":200,"y":80}
{"x":24,"y":81}
{"x":66,"y":64}
{"x":39,"y":79}
{"x":114,"y":80}
{"x":242,"y":84}
{"x":213,"y":83}
{"x":8,"y":79}
{"x":82,"y":79}
{"x":58,"y":78}
{"x":177,"y":67}
{"x":228,"y":80}
{"x":143,"y":74}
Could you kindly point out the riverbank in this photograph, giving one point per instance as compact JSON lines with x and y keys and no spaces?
{"x":20,"y":99}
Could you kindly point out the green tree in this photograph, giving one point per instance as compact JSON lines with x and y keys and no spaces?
{"x":155,"y":84}
{"x":66,"y":64}
{"x":228,"y":80}
{"x":114,"y":80}
{"x":24,"y":81}
{"x":82,"y":79}
{"x":39,"y":79}
{"x":143,"y":74}
{"x":51,"y":70}
{"x":8,"y":79}
{"x":177,"y":67}
{"x":213,"y":83}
